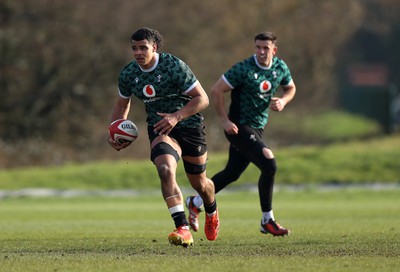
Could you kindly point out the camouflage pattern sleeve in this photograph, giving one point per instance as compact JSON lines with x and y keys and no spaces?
{"x":123,"y":83}
{"x":182,"y":75}
{"x":235,"y":74}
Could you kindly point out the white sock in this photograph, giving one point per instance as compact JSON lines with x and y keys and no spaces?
{"x":266,"y":216}
{"x":177,"y":208}
{"x":198,"y":201}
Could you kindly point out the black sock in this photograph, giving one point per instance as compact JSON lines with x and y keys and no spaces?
{"x":210,"y":208}
{"x":179,"y":219}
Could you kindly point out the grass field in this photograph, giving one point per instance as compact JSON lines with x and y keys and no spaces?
{"x":340,"y":229}
{"x":332,"y":230}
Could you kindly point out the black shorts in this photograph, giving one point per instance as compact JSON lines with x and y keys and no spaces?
{"x":191,"y":140}
{"x":248,"y":141}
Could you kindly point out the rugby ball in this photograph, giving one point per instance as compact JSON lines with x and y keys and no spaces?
{"x":123,"y":130}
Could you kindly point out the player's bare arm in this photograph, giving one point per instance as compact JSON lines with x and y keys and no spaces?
{"x":198,"y":102}
{"x":217,"y":94}
{"x":279,"y":103}
{"x":121,"y":109}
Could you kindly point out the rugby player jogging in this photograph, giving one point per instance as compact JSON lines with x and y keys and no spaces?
{"x":253,"y":84}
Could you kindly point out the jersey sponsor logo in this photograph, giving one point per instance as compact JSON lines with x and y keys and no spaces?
{"x":151,"y":100}
{"x":265,"y":86}
{"x":149,"y":91}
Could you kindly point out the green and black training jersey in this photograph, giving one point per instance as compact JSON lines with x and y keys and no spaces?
{"x":253,"y":86}
{"x":162,"y":88}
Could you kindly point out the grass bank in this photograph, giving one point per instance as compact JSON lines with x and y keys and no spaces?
{"x":352,"y":162}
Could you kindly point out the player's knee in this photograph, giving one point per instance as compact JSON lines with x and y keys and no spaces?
{"x":267,"y":153}
{"x":194,"y":169}
{"x":164,"y":171}
{"x":269,"y":166}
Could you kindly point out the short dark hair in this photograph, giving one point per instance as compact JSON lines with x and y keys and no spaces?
{"x":266,"y":36}
{"x":149,"y":34}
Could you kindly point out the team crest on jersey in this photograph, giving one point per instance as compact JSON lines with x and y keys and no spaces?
{"x":149,"y":91}
{"x":265,"y":86}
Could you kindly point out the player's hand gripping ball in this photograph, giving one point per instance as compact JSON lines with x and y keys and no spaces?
{"x":122,"y":131}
